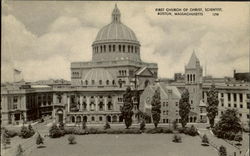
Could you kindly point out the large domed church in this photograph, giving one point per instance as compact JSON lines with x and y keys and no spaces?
{"x":98,"y":85}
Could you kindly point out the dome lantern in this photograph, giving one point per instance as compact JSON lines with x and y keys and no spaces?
{"x":116,"y":15}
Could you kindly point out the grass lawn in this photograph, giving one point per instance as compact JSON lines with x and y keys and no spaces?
{"x":124,"y":145}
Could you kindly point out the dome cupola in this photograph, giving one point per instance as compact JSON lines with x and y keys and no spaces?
{"x":116,"y":41}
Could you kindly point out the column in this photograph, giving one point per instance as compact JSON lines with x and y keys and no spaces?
{"x":81,"y":98}
{"x":96,"y":103}
{"x":105,"y":103}
{"x":68,"y":102}
{"x":54,"y":98}
{"x":88,"y":102}
{"x":238,"y":100}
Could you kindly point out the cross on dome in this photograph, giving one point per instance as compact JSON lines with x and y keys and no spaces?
{"x":116,"y":14}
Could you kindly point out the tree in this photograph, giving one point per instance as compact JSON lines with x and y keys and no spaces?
{"x":107,"y":125}
{"x":228,"y":125}
{"x":156,"y":107}
{"x":184,"y":108}
{"x":205,"y":140}
{"x":127,"y":108}
{"x":84,"y":126}
{"x":31,"y":129}
{"x":175,"y":125}
{"x":142,"y":125}
{"x":39,"y":140}
{"x":212,"y":105}
{"x":5,"y":138}
{"x":222,"y":151}
{"x":20,"y":150}
{"x":55,"y":132}
{"x":72,"y":139}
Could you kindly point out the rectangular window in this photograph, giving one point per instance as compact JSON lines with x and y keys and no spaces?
{"x":15,"y":99}
{"x":222,"y":104}
{"x":235,"y":105}
{"x":240,"y":115}
{"x":235,"y":97}
{"x":248,"y":96}
{"x":221,"y":94}
{"x":248,"y":105}
{"x":229,"y":97}
{"x":229,"y":105}
{"x":241,"y":106}
{"x":241,"y":97}
{"x":248,"y":116}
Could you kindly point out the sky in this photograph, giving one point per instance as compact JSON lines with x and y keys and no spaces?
{"x":42,"y":38}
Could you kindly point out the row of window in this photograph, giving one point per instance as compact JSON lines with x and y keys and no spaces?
{"x":112,"y":48}
{"x":240,"y":114}
{"x":191,"y":77}
{"x":235,"y":105}
{"x":228,"y":96}
{"x":100,"y":82}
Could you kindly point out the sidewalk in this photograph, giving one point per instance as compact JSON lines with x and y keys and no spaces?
{"x":218,"y":142}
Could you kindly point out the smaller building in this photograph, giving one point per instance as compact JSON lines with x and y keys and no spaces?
{"x":170,"y":97}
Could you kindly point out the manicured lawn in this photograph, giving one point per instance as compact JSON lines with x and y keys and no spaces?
{"x":124,"y":145}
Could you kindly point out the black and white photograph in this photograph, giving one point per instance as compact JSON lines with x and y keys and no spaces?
{"x":125,"y":78}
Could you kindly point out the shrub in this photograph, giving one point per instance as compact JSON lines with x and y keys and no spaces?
{"x":12,"y":133}
{"x":26,"y":132}
{"x":39,"y":140}
{"x":114,"y":131}
{"x":61,"y":126}
{"x":107,"y":125}
{"x":177,"y":138}
{"x":55,"y":132}
{"x":72,"y":139}
{"x":76,"y":131}
{"x":181,"y":129}
{"x":131,"y":131}
{"x":142,"y":125}
{"x":222,"y":151}
{"x":167,"y":130}
{"x":155,"y":130}
{"x":95,"y":131}
{"x":192,"y":131}
{"x":238,"y":138}
{"x":19,"y":151}
{"x":175,"y":125}
{"x":84,"y":126}
{"x":5,"y":138}
{"x":205,"y":140}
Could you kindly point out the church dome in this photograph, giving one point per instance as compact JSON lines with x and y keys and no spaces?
{"x":116,"y":30}
{"x":97,"y":77}
{"x":116,"y":41}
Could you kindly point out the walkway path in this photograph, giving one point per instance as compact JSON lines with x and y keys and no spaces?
{"x":230,"y":148}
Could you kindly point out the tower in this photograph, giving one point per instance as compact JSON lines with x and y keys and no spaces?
{"x":193,"y":82}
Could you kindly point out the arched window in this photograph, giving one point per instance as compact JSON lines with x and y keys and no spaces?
{"x":86,"y":82}
{"x":109,"y":48}
{"x":100,"y":118}
{"x":132,"y":49}
{"x":188,"y":77}
{"x":93,"y":118}
{"x":129,"y":49}
{"x":100,"y":82}
{"x":93,"y":82}
{"x":101,"y":106}
{"x":101,"y":48}
{"x":191,"y":77}
{"x":194,"y":77}
{"x":135,"y":49}
{"x":113,"y":82}
{"x":123,"y":48}
{"x":113,"y":48}
{"x":97,"y":49}
{"x":120,"y":48}
{"x":107,"y":82}
{"x":110,"y":106}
